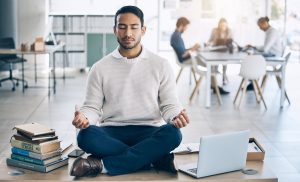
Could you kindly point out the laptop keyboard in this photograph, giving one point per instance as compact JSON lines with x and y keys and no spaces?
{"x":194,"y":170}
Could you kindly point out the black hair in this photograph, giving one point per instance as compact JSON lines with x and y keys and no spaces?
{"x":263,"y":19}
{"x":131,"y":9}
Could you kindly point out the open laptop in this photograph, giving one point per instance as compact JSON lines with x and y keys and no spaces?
{"x":219,"y":154}
{"x":251,"y":50}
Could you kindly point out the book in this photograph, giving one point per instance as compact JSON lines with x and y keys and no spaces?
{"x":187,"y":148}
{"x":34,"y":155}
{"x":41,"y":148}
{"x":36,"y":167}
{"x":65,"y":145}
{"x":37,"y":137}
{"x":19,"y":136}
{"x":35,"y":161}
{"x":34,"y":129}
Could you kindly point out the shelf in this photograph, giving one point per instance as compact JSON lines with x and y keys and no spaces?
{"x":69,"y":33}
{"x":59,"y":33}
{"x":76,"y":33}
{"x":72,"y":51}
{"x":73,"y":29}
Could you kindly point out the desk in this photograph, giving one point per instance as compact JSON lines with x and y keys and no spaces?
{"x":224,"y":58}
{"x":50,"y":50}
{"x":62,"y":174}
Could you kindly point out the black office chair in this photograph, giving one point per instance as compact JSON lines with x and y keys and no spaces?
{"x":8,"y":61}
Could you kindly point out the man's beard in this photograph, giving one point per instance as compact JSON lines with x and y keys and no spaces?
{"x":129,"y":47}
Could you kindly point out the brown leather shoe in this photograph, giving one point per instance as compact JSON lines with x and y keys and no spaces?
{"x":166,"y":163}
{"x":91,"y":166}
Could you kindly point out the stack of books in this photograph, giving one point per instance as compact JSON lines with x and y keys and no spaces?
{"x":36,"y":147}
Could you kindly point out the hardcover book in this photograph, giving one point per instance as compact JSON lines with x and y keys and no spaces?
{"x":35,"y":155}
{"x":39,"y":140}
{"x":36,"y":167}
{"x":35,"y":161}
{"x":34,"y":129}
{"x":41,"y":148}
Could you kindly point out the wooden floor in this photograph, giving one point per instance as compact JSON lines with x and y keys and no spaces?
{"x":278,"y":130}
{"x":264,"y":174}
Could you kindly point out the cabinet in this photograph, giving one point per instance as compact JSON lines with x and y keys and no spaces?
{"x":87,"y":37}
{"x":99,"y":45}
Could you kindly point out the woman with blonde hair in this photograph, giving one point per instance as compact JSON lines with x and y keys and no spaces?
{"x":221,"y":35}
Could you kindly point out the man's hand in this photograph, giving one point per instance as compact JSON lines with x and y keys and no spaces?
{"x":181,"y":120}
{"x":80,"y":121}
{"x":195,"y":47}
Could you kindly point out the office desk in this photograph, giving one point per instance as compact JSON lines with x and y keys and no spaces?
{"x":62,"y":174}
{"x":50,"y":50}
{"x":224,"y":58}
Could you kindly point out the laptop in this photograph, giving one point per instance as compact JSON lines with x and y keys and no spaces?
{"x":218,"y":154}
{"x":250,"y":50}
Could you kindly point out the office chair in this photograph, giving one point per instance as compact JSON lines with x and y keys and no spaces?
{"x":182,"y":66}
{"x":277,"y":73}
{"x":202,"y":73}
{"x":252,"y":68}
{"x":8,"y":62}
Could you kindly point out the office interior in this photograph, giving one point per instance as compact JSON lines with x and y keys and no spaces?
{"x":86,"y":29}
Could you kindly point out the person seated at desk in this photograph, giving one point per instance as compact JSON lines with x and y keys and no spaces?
{"x":272,"y":44}
{"x":221,"y":36}
{"x":177,"y":42}
{"x":178,"y":45}
{"x":273,"y":40}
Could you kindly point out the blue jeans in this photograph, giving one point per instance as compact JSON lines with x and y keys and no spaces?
{"x":126,"y":149}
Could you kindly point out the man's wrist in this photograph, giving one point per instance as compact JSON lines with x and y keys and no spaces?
{"x":172,"y":119}
{"x":85,"y":117}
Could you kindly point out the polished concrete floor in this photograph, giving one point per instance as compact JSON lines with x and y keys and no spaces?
{"x":278,"y":130}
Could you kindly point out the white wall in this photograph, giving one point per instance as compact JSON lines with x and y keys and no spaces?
{"x":99,"y":7}
{"x":150,"y":11}
{"x":31,"y":20}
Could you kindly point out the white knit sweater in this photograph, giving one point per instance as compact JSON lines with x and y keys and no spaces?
{"x":138,"y":91}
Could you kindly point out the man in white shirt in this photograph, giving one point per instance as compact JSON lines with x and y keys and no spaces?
{"x":132,"y":94}
{"x":273,"y":42}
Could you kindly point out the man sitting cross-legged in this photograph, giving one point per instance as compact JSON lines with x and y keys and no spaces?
{"x":132,"y":94}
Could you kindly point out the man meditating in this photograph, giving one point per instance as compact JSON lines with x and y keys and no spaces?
{"x":131,"y":115}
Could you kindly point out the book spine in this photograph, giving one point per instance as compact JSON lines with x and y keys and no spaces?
{"x":41,"y":148}
{"x":26,"y":153}
{"x":25,"y":146}
{"x":27,"y":159}
{"x":25,"y":165}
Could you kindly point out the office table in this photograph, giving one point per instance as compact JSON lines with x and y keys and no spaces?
{"x":50,"y":50}
{"x":224,"y":58}
{"x":62,"y":174}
